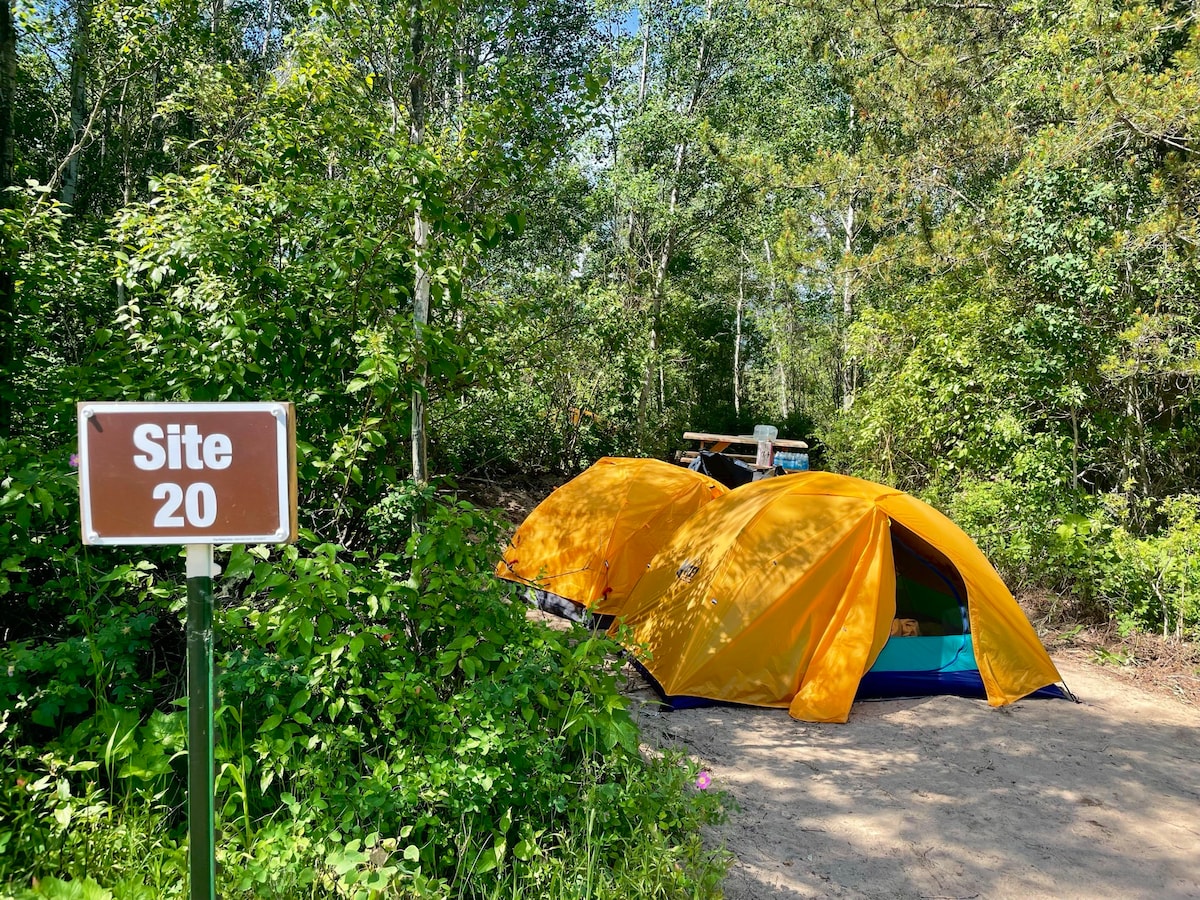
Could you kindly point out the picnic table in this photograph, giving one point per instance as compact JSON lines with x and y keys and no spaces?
{"x":719,"y":443}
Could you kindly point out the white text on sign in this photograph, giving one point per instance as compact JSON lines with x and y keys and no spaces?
{"x":176,"y":447}
{"x":199,"y":504}
{"x":189,"y":446}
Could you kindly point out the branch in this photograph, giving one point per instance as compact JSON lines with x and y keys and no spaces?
{"x":891,"y":40}
{"x":955,"y":7}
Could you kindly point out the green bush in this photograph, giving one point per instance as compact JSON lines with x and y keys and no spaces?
{"x":389,"y":725}
{"x":1036,"y":536}
{"x":1153,"y":580}
{"x":1136,"y":562}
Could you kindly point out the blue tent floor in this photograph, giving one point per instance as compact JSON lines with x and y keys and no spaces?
{"x":878,"y":686}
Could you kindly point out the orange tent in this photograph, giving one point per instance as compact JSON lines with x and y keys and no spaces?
{"x":591,"y":539}
{"x":785,"y":593}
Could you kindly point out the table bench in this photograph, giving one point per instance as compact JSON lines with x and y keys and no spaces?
{"x":718,"y":443}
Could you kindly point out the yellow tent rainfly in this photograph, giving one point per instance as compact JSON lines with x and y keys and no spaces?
{"x":591,"y":539}
{"x":808,"y":590}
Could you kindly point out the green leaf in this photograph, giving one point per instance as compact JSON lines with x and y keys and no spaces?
{"x":240,"y":563}
{"x":46,"y":713}
{"x":488,"y":860}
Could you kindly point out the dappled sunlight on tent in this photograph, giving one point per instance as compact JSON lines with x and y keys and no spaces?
{"x":784,"y":593}
{"x":590,"y":540}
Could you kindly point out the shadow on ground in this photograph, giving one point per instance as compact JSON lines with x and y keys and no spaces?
{"x":947,"y":798}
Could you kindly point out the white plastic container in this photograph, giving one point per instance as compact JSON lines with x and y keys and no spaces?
{"x":765,"y":433}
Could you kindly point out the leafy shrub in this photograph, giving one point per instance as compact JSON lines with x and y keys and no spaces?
{"x":388,"y":723}
{"x":559,"y":395}
{"x":1153,"y":581}
{"x":84,"y":627}
{"x":1035,"y":535}
{"x":56,"y":816}
{"x":1133,"y":561}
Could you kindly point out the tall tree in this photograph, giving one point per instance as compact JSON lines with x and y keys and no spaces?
{"x":418,"y":79}
{"x":677,"y":182}
{"x":79,"y":121}
{"x":8,"y":297}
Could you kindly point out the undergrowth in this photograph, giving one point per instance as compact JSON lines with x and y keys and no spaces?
{"x":389,"y":725}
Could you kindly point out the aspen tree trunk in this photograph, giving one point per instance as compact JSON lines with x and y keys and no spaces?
{"x":631,"y":226}
{"x":266,"y":41}
{"x":420,"y":462}
{"x":1074,"y":447}
{"x":737,"y":344}
{"x":849,"y":370}
{"x":1140,"y":461}
{"x":126,"y":174}
{"x":848,"y":380}
{"x":631,"y":232}
{"x":782,"y":332}
{"x":78,"y":85}
{"x":654,"y":362}
{"x":460,"y":82}
{"x":8,"y":299}
{"x":645,"y":61}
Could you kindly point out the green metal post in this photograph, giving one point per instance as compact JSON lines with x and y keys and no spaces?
{"x":202,"y":861}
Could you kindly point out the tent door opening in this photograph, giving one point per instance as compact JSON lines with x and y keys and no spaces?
{"x":929,"y":590}
{"x":931,"y":633}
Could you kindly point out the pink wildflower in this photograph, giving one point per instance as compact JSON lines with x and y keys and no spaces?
{"x":703,"y":781}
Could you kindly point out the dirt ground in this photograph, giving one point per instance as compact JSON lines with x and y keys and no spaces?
{"x":943,"y":797}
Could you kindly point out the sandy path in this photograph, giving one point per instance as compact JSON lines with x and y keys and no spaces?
{"x":947,"y":798}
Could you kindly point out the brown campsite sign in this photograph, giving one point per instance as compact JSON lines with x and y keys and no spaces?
{"x":187,"y":473}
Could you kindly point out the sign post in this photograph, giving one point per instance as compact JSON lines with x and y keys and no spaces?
{"x":202,"y":857}
{"x":191,"y":474}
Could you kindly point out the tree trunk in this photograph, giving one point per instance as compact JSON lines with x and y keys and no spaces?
{"x":737,"y":345}
{"x":1074,"y":447}
{"x":420,"y":462}
{"x":653,"y":360}
{"x":645,"y":62}
{"x":8,"y":262}
{"x":1141,"y":461}
{"x":849,"y":370}
{"x":664,"y":257}
{"x":266,"y":41}
{"x":631,"y":225}
{"x":782,"y":332}
{"x":78,"y":84}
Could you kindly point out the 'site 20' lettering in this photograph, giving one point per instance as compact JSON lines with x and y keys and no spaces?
{"x":176,"y":447}
{"x":180,"y":446}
